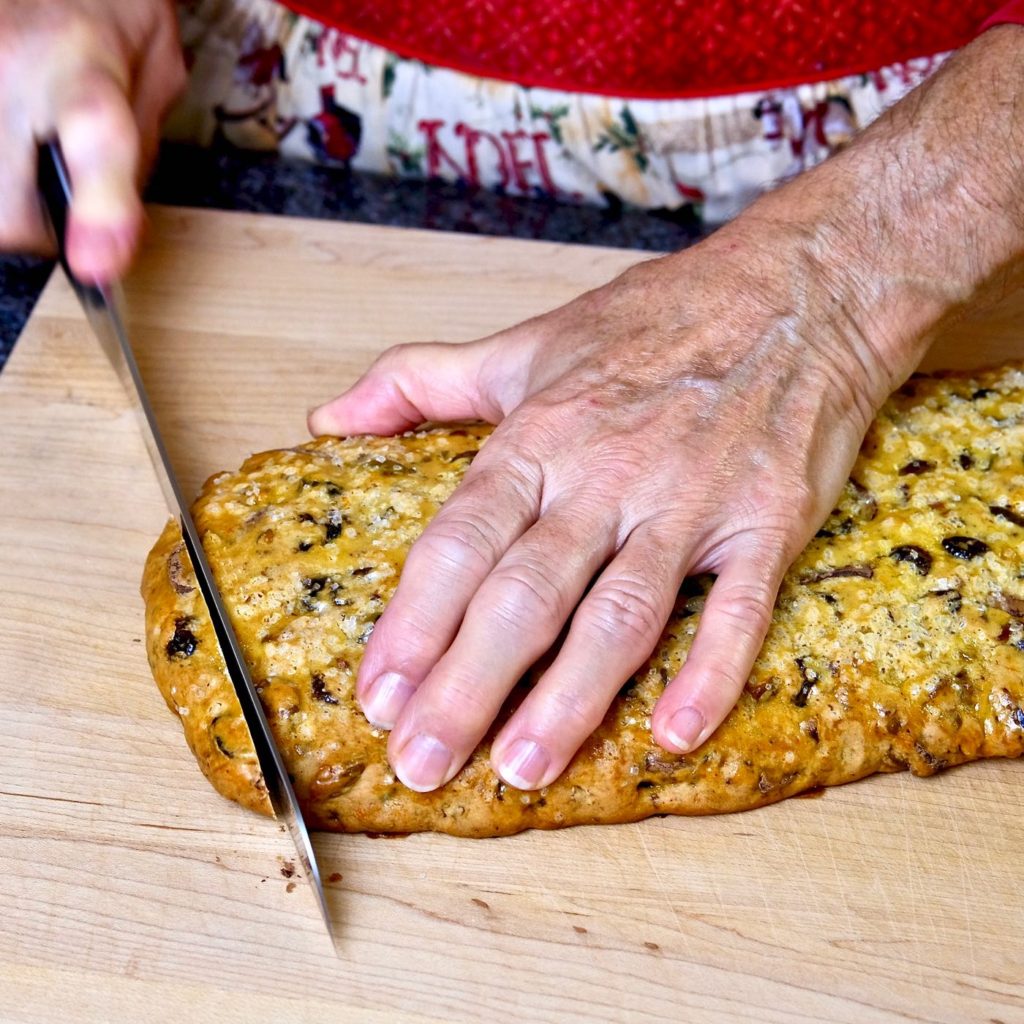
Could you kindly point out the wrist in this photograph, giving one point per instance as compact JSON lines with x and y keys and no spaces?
{"x":923,"y":215}
{"x":887,"y":289}
{"x":866,"y":327}
{"x":778,"y":297}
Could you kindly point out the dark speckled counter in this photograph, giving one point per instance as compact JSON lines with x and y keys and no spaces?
{"x":234,"y":180}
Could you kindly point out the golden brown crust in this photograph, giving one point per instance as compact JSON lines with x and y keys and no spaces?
{"x":897,"y":640}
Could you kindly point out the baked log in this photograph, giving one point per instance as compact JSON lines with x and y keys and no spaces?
{"x":897,"y":640}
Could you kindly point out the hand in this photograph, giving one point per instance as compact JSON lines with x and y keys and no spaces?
{"x":698,"y":414}
{"x":98,"y":74}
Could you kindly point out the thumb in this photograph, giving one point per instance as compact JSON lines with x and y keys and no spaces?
{"x":410,"y":384}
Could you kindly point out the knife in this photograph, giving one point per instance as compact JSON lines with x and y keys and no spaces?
{"x":102,"y":307}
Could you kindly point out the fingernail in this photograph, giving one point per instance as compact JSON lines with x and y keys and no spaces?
{"x":524,"y":764}
{"x":385,"y":698}
{"x":684,"y":728}
{"x":423,"y":763}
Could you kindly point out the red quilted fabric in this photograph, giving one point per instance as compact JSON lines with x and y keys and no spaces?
{"x":658,"y":48}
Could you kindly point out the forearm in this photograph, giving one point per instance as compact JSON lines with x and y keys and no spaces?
{"x":923,"y":214}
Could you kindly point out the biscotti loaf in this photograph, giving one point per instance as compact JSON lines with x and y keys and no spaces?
{"x":897,"y":640}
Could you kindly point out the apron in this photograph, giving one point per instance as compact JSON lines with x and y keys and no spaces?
{"x":683,"y":107}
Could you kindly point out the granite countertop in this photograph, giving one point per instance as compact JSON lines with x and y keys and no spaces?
{"x":260,"y":183}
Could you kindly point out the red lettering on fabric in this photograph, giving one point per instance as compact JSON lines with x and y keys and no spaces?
{"x":473,"y":136}
{"x":344,"y":51}
{"x":437,"y":155}
{"x":521,"y":165}
{"x":539,"y":148}
{"x":516,"y":159}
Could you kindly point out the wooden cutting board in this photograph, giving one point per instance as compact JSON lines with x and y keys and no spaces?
{"x":131,"y":891}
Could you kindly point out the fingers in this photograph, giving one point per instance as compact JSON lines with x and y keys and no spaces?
{"x":407,"y":385}
{"x":732,"y":629}
{"x":106,"y":105}
{"x":98,"y":77}
{"x":22,"y":228}
{"x":613,"y":632}
{"x":452,"y":558}
{"x":96,"y":127}
{"x":514,"y":617}
{"x":160,"y":80}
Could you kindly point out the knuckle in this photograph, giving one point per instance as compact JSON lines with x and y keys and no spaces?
{"x":525,"y":598}
{"x":626,"y":464}
{"x":76,"y":21}
{"x":410,"y":639}
{"x":775,"y":496}
{"x":744,"y":609}
{"x":395,"y":357}
{"x":613,"y":472}
{"x":458,"y":709}
{"x":174,"y":76}
{"x":579,"y":707}
{"x":536,"y":426}
{"x":725,"y":686}
{"x":773,"y":532}
{"x":462,"y":542}
{"x":626,"y":610}
{"x":73,"y":35}
{"x":506,"y":472}
{"x":503,"y":477}
{"x":95,"y":119}
{"x":777,"y":542}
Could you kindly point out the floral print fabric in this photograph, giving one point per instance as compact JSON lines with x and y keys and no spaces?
{"x":265,"y":78}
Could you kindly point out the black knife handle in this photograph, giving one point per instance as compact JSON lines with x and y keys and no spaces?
{"x":55,"y":189}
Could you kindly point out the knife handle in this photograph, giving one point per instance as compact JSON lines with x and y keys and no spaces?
{"x":55,"y":190}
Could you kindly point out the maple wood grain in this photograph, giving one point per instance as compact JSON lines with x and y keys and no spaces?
{"x":131,"y":891}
